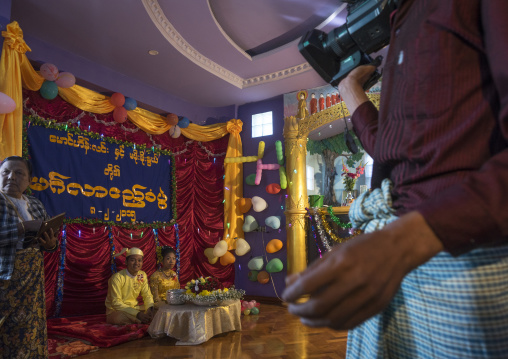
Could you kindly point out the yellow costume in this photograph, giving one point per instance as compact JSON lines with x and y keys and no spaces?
{"x":160,"y":283}
{"x":123,"y":291}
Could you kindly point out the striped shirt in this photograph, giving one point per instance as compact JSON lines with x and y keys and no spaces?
{"x":9,"y":234}
{"x":441,"y":134}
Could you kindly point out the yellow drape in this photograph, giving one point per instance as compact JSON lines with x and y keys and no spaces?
{"x":17,"y":72}
{"x":12,"y":60}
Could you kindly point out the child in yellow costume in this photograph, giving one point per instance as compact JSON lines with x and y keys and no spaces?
{"x":164,"y":278}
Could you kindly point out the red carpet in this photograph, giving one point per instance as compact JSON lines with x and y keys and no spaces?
{"x":93,"y":329}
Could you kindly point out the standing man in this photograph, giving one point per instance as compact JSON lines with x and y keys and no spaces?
{"x":124,"y":288}
{"x":429,"y":280}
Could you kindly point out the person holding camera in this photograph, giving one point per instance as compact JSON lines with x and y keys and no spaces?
{"x":23,"y":331}
{"x":428,"y":277}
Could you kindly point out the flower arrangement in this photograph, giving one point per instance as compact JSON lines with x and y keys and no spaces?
{"x":351,"y":177}
{"x":210,"y":291}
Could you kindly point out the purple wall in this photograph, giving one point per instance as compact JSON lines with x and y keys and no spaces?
{"x":100,"y":79}
{"x":5,"y":17}
{"x":258,"y":240}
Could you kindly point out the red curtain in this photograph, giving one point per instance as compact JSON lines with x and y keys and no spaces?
{"x":87,"y":269}
{"x":199,"y":180}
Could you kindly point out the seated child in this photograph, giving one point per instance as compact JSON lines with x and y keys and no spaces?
{"x":164,"y":278}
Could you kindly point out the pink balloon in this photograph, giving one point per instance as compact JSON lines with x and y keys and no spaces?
{"x":7,"y":104}
{"x":120,"y":114}
{"x":49,"y":72}
{"x":259,"y":172}
{"x":65,"y":80}
{"x":270,"y":166}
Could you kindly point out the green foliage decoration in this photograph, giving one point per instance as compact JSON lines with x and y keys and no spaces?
{"x":337,"y":144}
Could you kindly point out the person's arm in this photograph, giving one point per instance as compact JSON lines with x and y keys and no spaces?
{"x":10,"y":231}
{"x":146,"y":293}
{"x":364,"y":114}
{"x":356,"y":280}
{"x":49,"y":240}
{"x":154,"y":286}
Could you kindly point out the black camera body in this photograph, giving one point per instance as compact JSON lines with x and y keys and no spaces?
{"x":367,"y":30}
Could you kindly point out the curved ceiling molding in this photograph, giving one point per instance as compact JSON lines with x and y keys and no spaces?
{"x":226,"y":36}
{"x":160,"y":20}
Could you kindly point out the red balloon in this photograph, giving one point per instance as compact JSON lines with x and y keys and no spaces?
{"x":273,"y":188}
{"x":120,"y":114}
{"x":117,"y":99}
{"x":172,"y":119}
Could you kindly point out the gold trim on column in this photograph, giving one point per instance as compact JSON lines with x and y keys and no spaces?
{"x":295,"y":140}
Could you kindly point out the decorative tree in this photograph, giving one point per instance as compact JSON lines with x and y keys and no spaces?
{"x":331,"y":148}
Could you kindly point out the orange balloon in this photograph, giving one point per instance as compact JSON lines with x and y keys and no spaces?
{"x":117,"y":99}
{"x":263,"y":277}
{"x":273,"y":188}
{"x":274,"y":246}
{"x":244,"y":204}
{"x":227,"y":258}
{"x":172,"y":119}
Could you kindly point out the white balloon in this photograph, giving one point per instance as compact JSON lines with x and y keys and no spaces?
{"x":7,"y":104}
{"x":175,"y":131}
{"x":273,"y":222}
{"x":250,"y":224}
{"x":242,"y":247}
{"x":220,"y":248}
{"x":259,"y":204}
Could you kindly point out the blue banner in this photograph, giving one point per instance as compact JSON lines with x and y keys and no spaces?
{"x":92,"y":178}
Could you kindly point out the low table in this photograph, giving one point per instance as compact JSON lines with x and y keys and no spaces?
{"x":192,"y":324}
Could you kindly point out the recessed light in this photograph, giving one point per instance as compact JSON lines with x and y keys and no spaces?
{"x":153,"y":52}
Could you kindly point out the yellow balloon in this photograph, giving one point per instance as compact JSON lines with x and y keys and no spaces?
{"x":261,"y":150}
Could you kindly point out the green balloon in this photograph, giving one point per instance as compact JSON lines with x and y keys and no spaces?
{"x":274,"y":266}
{"x":254,"y":311}
{"x":251,"y":179}
{"x":253,"y":275}
{"x":49,"y":90}
{"x":256,"y":263}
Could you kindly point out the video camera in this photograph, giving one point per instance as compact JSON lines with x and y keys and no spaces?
{"x":367,"y":30}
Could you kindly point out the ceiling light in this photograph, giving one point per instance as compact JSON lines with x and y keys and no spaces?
{"x":153,"y":52}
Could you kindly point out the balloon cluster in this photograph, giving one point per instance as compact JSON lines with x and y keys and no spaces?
{"x":258,"y":204}
{"x":221,"y":251}
{"x":176,"y":124}
{"x":122,"y":105}
{"x":53,"y":80}
{"x":256,"y":264}
{"x":251,"y":307}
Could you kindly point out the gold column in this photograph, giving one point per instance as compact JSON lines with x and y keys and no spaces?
{"x":295,"y":137}
{"x":296,"y":201}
